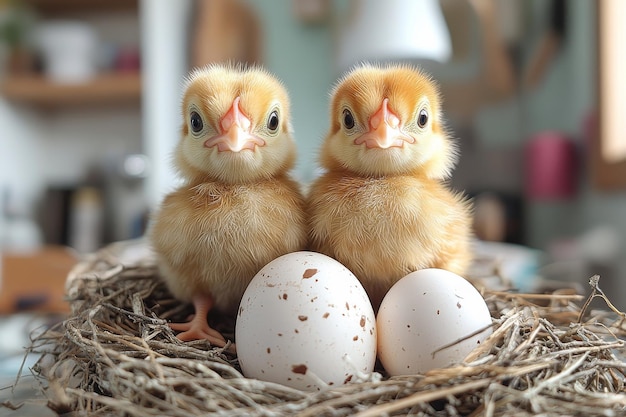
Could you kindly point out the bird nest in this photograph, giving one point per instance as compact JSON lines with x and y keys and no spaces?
{"x":116,"y":355}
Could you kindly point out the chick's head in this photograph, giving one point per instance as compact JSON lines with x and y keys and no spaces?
{"x":388,"y":121}
{"x":235,"y":126}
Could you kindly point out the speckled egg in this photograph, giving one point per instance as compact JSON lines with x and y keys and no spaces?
{"x":305,"y":321}
{"x":430,"y":319}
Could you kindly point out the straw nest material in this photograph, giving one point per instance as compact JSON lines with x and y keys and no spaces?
{"x":116,"y":355}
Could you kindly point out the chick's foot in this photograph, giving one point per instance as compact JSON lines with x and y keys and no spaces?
{"x":198,"y":328}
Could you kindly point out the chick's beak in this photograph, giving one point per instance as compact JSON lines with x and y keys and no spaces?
{"x":384,"y":130}
{"x":234,"y":133}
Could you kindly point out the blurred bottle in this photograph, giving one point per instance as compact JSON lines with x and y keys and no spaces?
{"x":87,"y":219}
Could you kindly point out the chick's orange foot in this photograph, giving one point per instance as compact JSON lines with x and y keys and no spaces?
{"x":198,"y":328}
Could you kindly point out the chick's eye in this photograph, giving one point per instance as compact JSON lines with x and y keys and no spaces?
{"x":196,"y":122}
{"x":422,"y":118}
{"x":348,"y":119}
{"x":272,"y":121}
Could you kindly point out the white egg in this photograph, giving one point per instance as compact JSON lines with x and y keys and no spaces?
{"x":423,"y":313}
{"x":305,"y":321}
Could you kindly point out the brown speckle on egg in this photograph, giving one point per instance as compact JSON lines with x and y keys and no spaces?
{"x":347,"y":306}
{"x":285,"y":296}
{"x":269,"y":350}
{"x":299,"y":369}
{"x":362,"y":321}
{"x":355,"y":338}
{"x":309,"y":273}
{"x":303,"y":318}
{"x":326,"y":315}
{"x":458,"y":305}
{"x":348,"y":379}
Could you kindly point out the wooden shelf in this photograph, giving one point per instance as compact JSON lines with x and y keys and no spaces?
{"x":104,"y":89}
{"x":59,"y":7}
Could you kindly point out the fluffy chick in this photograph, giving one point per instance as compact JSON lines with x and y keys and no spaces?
{"x":383,"y":208}
{"x":238,"y":208}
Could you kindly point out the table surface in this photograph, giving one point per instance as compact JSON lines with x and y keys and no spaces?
{"x":35,"y":281}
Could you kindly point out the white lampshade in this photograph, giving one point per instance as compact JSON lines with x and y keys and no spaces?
{"x":393,"y":30}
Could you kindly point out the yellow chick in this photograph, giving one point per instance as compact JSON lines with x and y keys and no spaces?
{"x":382,"y":207}
{"x":238,"y":208}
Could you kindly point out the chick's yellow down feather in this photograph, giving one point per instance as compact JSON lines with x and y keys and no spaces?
{"x":382,"y":207}
{"x":238,"y":209}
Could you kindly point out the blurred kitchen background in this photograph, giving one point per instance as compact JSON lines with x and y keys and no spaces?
{"x":89,"y":114}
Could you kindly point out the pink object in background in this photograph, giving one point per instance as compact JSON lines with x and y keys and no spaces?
{"x":550,"y":167}
{"x":128,"y":60}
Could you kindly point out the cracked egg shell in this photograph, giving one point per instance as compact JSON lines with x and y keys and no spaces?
{"x":305,"y":321}
{"x":423,"y":313}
